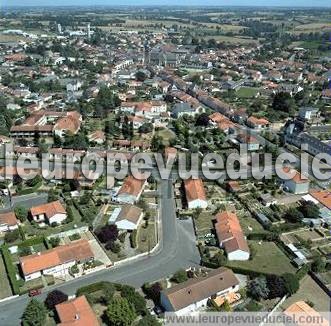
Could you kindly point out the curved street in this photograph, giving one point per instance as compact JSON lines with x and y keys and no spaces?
{"x":177,"y":250}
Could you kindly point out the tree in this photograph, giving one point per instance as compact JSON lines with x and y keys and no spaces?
{"x":35,"y":314}
{"x":258,"y":288}
{"x":113,"y":246}
{"x":225,"y":306}
{"x":153,"y":291}
{"x":108,"y":292}
{"x":54,"y":241}
{"x":276,"y":286}
{"x":148,"y":321}
{"x":120,"y":312}
{"x":219,"y":259}
{"x":180,"y":276}
{"x":291,"y":283}
{"x":318,"y":265}
{"x":21,"y":213}
{"x":12,"y":236}
{"x":283,"y":102}
{"x":55,"y":297}
{"x":202,"y":120}
{"x":309,"y":209}
{"x":141,"y":76}
{"x":293,"y":215}
{"x":107,"y":233}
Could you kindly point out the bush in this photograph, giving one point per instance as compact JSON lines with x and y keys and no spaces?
{"x":54,"y":298}
{"x":54,"y":241}
{"x":10,"y":269}
{"x":133,"y":239}
{"x":180,"y":276}
{"x":113,"y":246}
{"x":12,"y":236}
{"x":291,"y":283}
{"x":75,"y":236}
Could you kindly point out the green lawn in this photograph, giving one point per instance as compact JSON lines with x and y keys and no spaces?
{"x":5,"y":289}
{"x":247,"y":92}
{"x":166,"y":134}
{"x":268,"y":259}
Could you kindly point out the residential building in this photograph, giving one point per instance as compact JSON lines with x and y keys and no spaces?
{"x":257,"y":123}
{"x":230,"y":236}
{"x":130,"y":191}
{"x":195,"y":194}
{"x":297,"y":184}
{"x":127,"y":217}
{"x":8,"y":222}
{"x":56,"y":261}
{"x":194,"y":294}
{"x":76,"y":312}
{"x":49,"y":213}
{"x":304,"y":315}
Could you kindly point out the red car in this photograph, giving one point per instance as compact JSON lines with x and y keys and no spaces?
{"x":33,"y":293}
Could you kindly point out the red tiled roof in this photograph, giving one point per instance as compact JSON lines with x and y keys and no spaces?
{"x":75,"y":251}
{"x":76,"y":312}
{"x":229,"y":232}
{"x":194,"y":189}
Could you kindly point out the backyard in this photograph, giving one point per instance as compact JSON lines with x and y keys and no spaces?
{"x":267,"y":258}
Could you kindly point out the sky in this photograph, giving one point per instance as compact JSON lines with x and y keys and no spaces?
{"x":279,"y":3}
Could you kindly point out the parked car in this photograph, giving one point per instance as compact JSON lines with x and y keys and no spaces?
{"x":33,"y":293}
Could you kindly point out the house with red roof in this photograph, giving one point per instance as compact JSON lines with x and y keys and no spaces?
{"x":230,"y":236}
{"x":49,"y":213}
{"x":76,"y":312}
{"x":195,"y":193}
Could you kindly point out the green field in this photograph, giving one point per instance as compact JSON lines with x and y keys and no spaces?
{"x":5,"y":289}
{"x":268,"y":259}
{"x":247,"y":92}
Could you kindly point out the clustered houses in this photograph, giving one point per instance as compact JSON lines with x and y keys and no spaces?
{"x":49,"y":213}
{"x":193,"y":294}
{"x":56,"y":261}
{"x":130,"y":191}
{"x":230,"y":236}
{"x":148,"y":110}
{"x":195,"y":193}
{"x":47,"y":124}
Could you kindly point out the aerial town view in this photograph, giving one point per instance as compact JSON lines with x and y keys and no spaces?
{"x":165,"y":163}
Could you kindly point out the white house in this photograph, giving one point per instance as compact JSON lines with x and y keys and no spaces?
{"x":128,"y":217}
{"x":130,"y":191}
{"x":195,"y":194}
{"x":187,"y":297}
{"x":56,"y":261}
{"x":8,"y":222}
{"x":296,"y":185}
{"x":49,"y":213}
{"x":231,"y":237}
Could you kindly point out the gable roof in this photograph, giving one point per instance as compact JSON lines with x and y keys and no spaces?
{"x":75,"y":251}
{"x":197,"y":289}
{"x":300,"y":310}
{"x":129,"y":212}
{"x":323,"y":196}
{"x":8,"y":218}
{"x":229,"y":232}
{"x":194,"y":190}
{"x":49,"y":209}
{"x":131,"y":186}
{"x":76,"y":312}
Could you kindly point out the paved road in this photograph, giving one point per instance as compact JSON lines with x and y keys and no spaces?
{"x":26,"y":201}
{"x":177,"y":250}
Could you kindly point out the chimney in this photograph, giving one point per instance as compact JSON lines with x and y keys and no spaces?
{"x":76,"y":317}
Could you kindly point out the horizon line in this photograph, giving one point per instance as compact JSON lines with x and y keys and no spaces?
{"x":160,"y":6}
